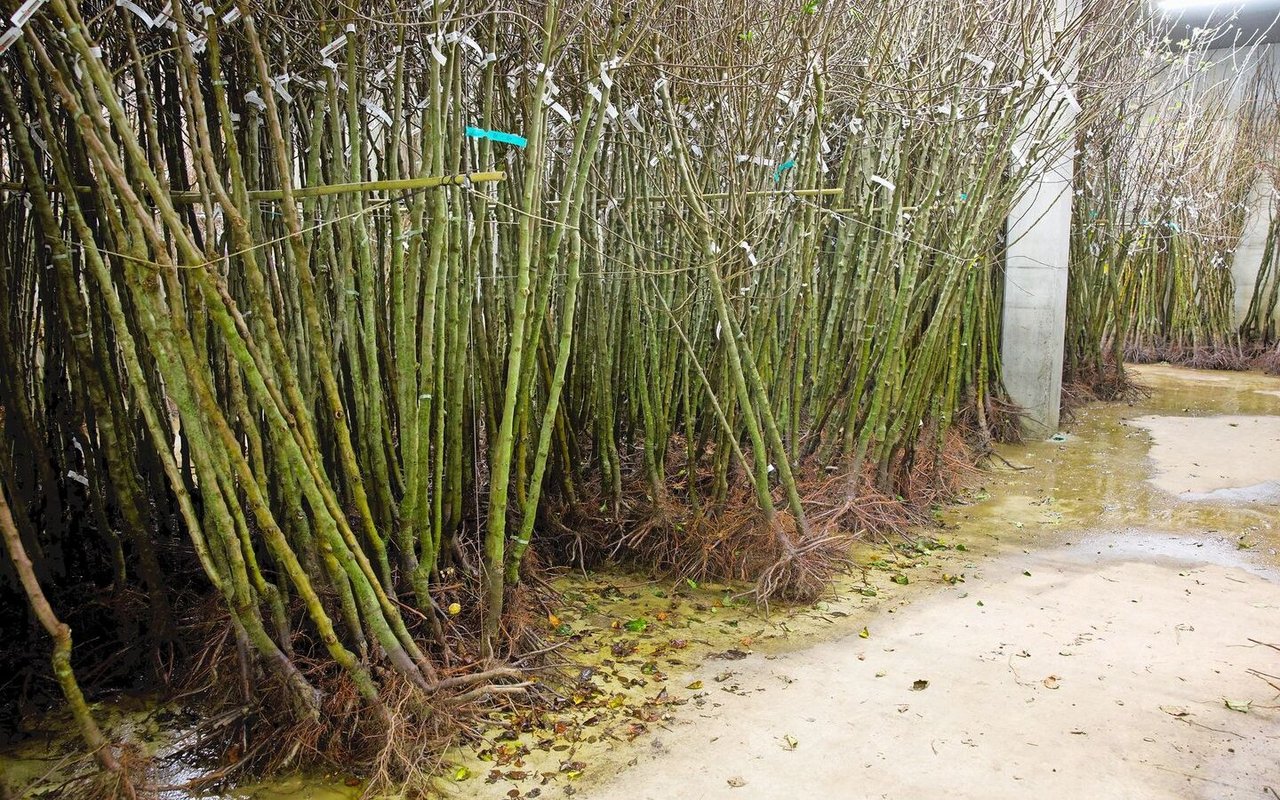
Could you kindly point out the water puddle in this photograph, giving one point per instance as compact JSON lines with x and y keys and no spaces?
{"x":1109,"y":474}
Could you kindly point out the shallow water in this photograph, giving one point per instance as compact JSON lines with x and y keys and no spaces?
{"x":1099,"y":477}
{"x":635,"y":643}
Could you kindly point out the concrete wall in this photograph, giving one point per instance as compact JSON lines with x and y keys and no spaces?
{"x":1248,"y":256}
{"x":1238,"y":67}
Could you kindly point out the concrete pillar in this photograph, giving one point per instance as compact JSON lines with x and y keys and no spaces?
{"x":1253,"y":241}
{"x":1035,"y":296}
{"x":1038,"y":247}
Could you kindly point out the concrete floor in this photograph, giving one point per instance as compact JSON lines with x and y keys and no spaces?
{"x":1113,"y":648}
{"x":1103,"y":673}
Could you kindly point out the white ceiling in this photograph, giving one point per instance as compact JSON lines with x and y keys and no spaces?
{"x":1249,"y":21}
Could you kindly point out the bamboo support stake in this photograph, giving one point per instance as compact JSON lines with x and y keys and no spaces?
{"x":325,"y":190}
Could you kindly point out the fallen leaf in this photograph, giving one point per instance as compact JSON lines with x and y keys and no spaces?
{"x":636,"y":625}
{"x":1051,"y":682}
{"x":789,"y":742}
{"x":1236,"y":705}
{"x":901,"y":580}
{"x":554,"y":620}
{"x":919,"y":685}
{"x":695,"y":685}
{"x":737,"y":782}
{"x":864,"y":633}
{"x":461,"y":774}
{"x":732,"y":654}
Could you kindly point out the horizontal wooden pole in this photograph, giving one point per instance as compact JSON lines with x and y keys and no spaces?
{"x":405,"y":184}
{"x":827,"y":192}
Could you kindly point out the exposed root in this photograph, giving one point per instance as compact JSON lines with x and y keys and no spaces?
{"x":864,"y":511}
{"x":1004,"y":420}
{"x":661,"y":531}
{"x":734,"y":540}
{"x":1223,"y":355}
{"x":803,"y":571}
{"x":244,"y":730}
{"x":1142,"y":353}
{"x":77,"y":774}
{"x":396,"y":745}
{"x":724,"y":545}
{"x":1228,"y":357}
{"x":1268,"y":361}
{"x":1107,"y":385}
{"x":938,"y":474}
